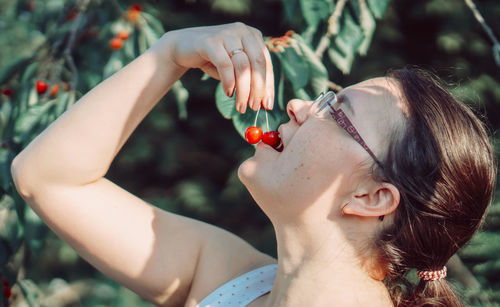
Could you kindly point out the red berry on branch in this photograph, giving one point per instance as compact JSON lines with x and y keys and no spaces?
{"x":123,"y":35}
{"x":72,"y":14}
{"x":7,"y":292}
{"x":136,"y":7}
{"x":116,"y":43}
{"x":271,"y":138}
{"x":41,"y":87}
{"x":134,"y":12}
{"x":253,"y":135}
{"x":54,"y":90}
{"x":7,"y":92}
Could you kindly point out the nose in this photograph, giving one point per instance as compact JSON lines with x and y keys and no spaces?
{"x":298,"y":110}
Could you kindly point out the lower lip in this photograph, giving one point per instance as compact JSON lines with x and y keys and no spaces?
{"x":264,"y":145}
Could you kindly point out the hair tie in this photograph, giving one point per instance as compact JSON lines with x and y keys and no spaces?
{"x":432,"y":274}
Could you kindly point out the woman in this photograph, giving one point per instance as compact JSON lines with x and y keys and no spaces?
{"x":350,"y":220}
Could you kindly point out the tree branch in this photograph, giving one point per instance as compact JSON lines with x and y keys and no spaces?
{"x":487,"y":29}
{"x":82,"y":7}
{"x":333,"y":28}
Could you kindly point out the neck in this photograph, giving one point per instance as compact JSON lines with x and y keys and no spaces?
{"x":321,"y":270}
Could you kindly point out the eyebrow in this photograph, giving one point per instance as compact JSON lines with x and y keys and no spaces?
{"x":344,"y":99}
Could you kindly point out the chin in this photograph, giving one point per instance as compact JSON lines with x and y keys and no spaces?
{"x":252,"y":174}
{"x":247,"y":171}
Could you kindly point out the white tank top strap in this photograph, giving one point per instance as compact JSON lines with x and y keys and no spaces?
{"x":242,"y":290}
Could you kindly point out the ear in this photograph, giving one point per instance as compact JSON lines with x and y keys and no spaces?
{"x":381,"y":199}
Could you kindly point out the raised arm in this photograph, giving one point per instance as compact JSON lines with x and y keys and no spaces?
{"x":61,"y":172}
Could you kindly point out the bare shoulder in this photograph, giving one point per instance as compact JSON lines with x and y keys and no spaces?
{"x":224,"y":257}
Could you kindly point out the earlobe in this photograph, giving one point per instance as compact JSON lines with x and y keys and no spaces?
{"x":383,"y":200}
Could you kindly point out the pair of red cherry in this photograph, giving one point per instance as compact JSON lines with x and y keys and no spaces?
{"x":253,"y":135}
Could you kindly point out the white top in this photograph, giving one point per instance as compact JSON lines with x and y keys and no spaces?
{"x":242,"y":290}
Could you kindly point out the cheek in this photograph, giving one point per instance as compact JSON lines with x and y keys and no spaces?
{"x":312,"y":165}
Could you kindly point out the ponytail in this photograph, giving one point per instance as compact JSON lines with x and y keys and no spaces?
{"x":435,"y":293}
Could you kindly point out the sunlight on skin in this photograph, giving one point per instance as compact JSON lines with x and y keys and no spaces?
{"x":319,"y":158}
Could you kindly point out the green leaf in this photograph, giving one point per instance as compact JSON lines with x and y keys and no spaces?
{"x":317,"y":71}
{"x":6,"y":157}
{"x":368,"y":25}
{"x":142,"y":41}
{"x":346,"y":44}
{"x":9,"y":227}
{"x":31,"y":292}
{"x":34,"y":230}
{"x":378,"y":7}
{"x":314,"y":11}
{"x":29,"y":73}
{"x":28,"y":120}
{"x":292,"y":9}
{"x":128,"y":49}
{"x":232,"y":7}
{"x":5,"y":117}
{"x":113,"y":65}
{"x":4,"y":255}
{"x":482,"y":247}
{"x":225,"y":105}
{"x":181,"y":95}
{"x":150,"y":35}
{"x":8,"y":71}
{"x":280,"y":97}
{"x":63,"y":102}
{"x":8,"y":218}
{"x":488,"y":269}
{"x":295,"y":68}
{"x":154,"y":23}
{"x":301,"y":93}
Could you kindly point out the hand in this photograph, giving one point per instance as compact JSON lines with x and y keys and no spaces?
{"x":233,"y":53}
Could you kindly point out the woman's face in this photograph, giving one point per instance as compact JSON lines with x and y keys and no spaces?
{"x":321,"y":162}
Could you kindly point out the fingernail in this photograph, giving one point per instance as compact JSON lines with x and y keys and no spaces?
{"x":269,"y":103}
{"x":251,"y":104}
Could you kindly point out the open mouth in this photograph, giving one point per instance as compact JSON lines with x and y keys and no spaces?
{"x":280,"y":147}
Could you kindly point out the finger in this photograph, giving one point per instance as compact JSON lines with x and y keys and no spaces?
{"x":220,"y":59}
{"x":242,"y":73}
{"x":243,"y":79}
{"x":254,"y":49}
{"x":268,"y":97}
{"x":269,"y":100}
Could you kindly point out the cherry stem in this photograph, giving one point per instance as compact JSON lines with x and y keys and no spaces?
{"x":256,"y":116}
{"x":267,"y":121}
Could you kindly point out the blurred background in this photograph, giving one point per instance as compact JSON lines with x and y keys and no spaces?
{"x":184,"y":156}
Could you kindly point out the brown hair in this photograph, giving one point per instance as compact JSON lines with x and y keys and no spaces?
{"x":444,"y":168}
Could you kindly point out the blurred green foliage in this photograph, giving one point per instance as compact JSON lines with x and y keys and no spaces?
{"x":184,"y":156}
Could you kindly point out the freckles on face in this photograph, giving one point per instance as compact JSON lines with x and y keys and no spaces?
{"x":316,"y":157}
